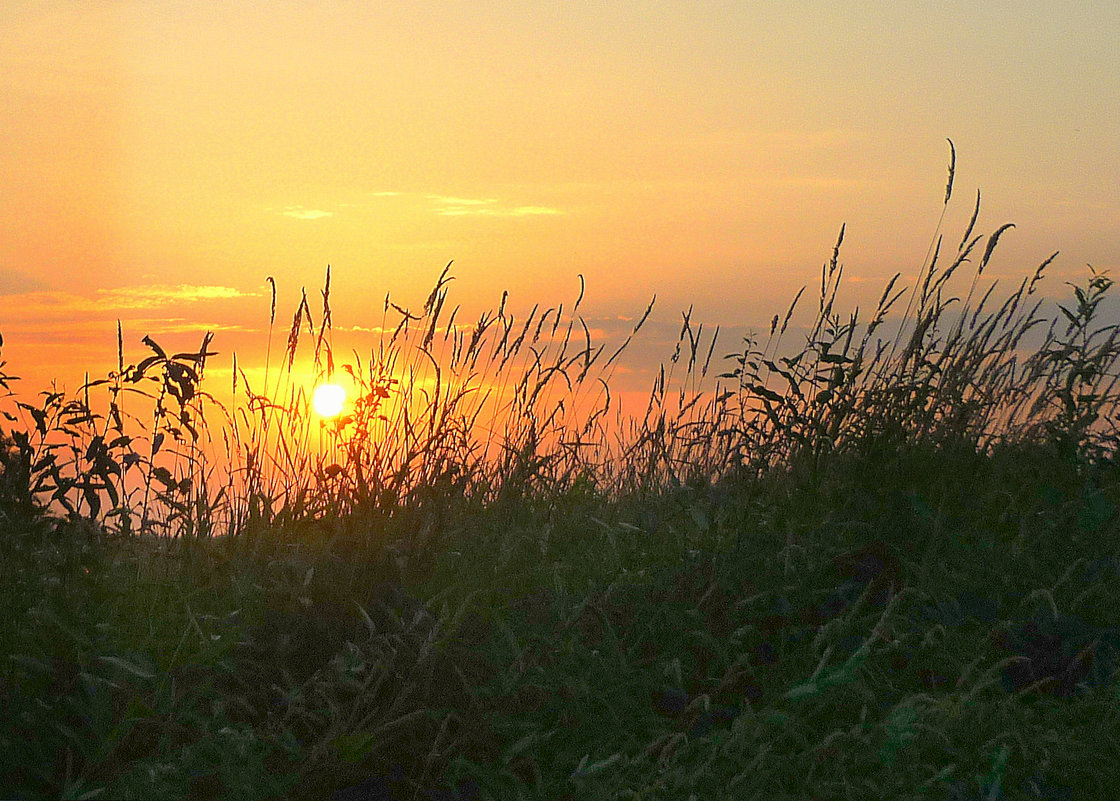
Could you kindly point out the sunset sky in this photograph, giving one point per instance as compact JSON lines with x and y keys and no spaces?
{"x":159,"y":160}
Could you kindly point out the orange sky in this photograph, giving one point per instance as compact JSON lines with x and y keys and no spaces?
{"x":159,"y":160}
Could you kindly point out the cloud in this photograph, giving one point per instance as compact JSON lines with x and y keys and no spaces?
{"x":484,"y":207}
{"x":526,"y":211}
{"x":179,"y":325}
{"x":301,"y":213}
{"x":361,"y":329}
{"x":102,"y":332}
{"x":57,"y":305}
{"x":460,"y":201}
{"x":458,"y":206}
{"x":154,"y":295}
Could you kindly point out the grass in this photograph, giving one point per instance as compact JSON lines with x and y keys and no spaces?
{"x":874,"y":568}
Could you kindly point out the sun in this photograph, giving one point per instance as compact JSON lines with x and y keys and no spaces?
{"x":328,"y":400}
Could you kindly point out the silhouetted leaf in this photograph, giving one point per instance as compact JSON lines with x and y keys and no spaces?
{"x":163,"y":476}
{"x":38,"y":414}
{"x":147,"y":340}
{"x":140,"y":370}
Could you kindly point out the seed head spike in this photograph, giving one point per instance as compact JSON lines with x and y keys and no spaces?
{"x":952,"y":171}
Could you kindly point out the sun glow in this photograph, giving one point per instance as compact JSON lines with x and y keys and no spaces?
{"x":328,"y":400}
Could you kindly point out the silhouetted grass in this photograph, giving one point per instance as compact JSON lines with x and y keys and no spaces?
{"x":857,"y":567}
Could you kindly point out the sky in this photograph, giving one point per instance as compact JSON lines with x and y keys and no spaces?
{"x":160,"y":160}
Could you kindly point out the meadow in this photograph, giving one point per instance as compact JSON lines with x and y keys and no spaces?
{"x":859,"y":566}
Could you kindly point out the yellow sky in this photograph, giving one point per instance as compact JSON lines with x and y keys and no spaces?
{"x":160,"y":159}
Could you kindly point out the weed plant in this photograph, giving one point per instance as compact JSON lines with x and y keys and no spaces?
{"x":864,"y":566}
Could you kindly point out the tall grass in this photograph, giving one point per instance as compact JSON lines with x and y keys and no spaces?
{"x":503,"y":407}
{"x":488,"y":568}
{"x":467,"y":408}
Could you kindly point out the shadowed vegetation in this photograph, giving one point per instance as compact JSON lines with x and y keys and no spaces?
{"x":879,"y":563}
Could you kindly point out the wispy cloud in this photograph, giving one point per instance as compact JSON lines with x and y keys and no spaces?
{"x":361,"y":329}
{"x":303,"y":213}
{"x":484,"y":207}
{"x":447,"y":200}
{"x":458,"y":206}
{"x":153,"y":295}
{"x":179,"y":325}
{"x":57,"y":305}
{"x":530,"y":211}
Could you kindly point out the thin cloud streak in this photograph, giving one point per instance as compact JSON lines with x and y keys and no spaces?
{"x":361,"y":329}
{"x":301,"y":213}
{"x":162,"y":294}
{"x":456,"y":206}
{"x":445,"y":200}
{"x":517,"y":211}
{"x":61,"y":305}
{"x":72,"y":333}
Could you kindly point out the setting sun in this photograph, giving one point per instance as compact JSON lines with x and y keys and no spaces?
{"x":328,"y":400}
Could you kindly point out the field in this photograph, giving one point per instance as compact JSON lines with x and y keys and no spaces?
{"x":881,"y":566}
